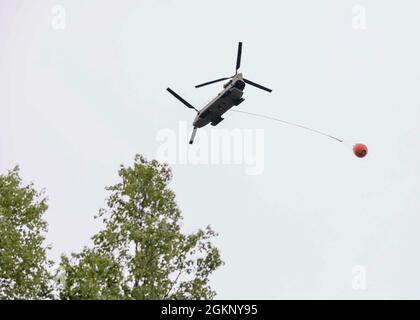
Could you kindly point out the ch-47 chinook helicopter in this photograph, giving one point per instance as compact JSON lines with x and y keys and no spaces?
{"x":229,"y":97}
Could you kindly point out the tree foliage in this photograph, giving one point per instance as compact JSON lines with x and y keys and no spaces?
{"x":24,"y":268}
{"x":142,"y":253}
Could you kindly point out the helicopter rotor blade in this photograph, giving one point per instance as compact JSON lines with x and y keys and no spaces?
{"x":211,"y":82}
{"x":257,"y":85}
{"x":181,"y":99}
{"x":238,"y":58}
{"x":193,"y":135}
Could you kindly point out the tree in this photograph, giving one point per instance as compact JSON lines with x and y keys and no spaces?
{"x":23,"y":263}
{"x":142,"y":253}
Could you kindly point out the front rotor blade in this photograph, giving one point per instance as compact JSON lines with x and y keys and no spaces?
{"x":238,"y":58}
{"x":257,"y":85}
{"x":181,"y":99}
{"x":210,"y":82}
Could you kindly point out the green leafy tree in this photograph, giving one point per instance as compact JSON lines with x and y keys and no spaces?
{"x":142,"y":253}
{"x":23,"y":263}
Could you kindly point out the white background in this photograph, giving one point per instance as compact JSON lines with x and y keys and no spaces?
{"x":76,"y":103}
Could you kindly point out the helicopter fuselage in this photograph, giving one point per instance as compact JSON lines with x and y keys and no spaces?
{"x":230,"y":96}
{"x":225,"y":100}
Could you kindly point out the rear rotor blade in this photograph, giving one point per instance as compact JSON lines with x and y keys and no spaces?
{"x":181,"y":99}
{"x":210,"y":82}
{"x":257,"y":85}
{"x":238,"y":58}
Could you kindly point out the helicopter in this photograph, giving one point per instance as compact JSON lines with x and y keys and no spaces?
{"x":230,"y":96}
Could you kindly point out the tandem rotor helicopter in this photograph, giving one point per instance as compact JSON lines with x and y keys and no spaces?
{"x":225,"y":100}
{"x":231,"y":96}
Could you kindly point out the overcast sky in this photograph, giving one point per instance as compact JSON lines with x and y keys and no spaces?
{"x":77,"y":102}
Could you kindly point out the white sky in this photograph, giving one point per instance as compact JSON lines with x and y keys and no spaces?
{"x":76,"y":103}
